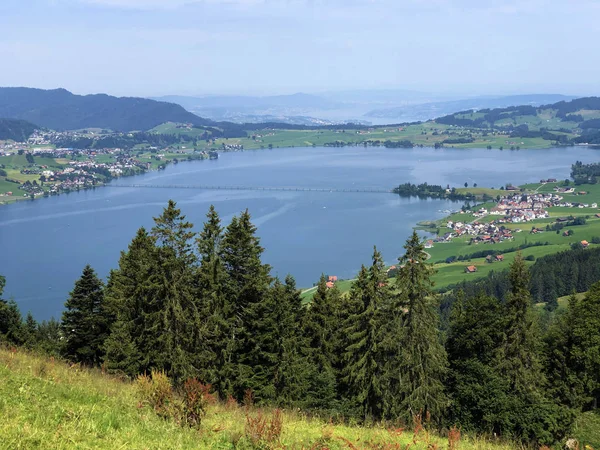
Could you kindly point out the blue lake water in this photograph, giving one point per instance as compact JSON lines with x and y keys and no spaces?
{"x":45,"y":243}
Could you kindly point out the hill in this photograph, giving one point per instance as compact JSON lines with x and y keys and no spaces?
{"x":48,"y":404}
{"x":16,"y":130}
{"x":59,"y":109}
{"x":563,"y":116}
{"x":431,"y":110}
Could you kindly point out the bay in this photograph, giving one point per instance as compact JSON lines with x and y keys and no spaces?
{"x":46,"y":243}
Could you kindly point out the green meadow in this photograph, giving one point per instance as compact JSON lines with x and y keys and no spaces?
{"x":47,"y":404}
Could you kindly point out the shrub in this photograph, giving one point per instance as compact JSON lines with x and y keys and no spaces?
{"x":195,"y":398}
{"x":453,"y":438}
{"x":530,"y":258}
{"x":156,"y":391}
{"x":261,"y":431}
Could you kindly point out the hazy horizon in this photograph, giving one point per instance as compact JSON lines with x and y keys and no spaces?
{"x":154,"y":48}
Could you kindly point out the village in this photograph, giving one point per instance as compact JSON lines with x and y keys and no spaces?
{"x":51,"y":171}
{"x":510,"y":209}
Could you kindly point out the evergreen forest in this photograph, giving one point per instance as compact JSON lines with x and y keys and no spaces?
{"x":203,"y":305}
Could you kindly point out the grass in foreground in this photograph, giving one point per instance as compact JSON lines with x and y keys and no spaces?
{"x":47,"y":404}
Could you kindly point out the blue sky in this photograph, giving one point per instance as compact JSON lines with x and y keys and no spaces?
{"x":160,"y":47}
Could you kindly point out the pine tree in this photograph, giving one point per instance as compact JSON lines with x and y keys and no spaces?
{"x":364,"y":355}
{"x":562,"y":369}
{"x":11,"y":323}
{"x":573,"y":352}
{"x":421,"y":358}
{"x":519,"y":358}
{"x":531,"y":415}
{"x":586,"y":348}
{"x":49,"y":337}
{"x":320,"y":329}
{"x":131,"y":297}
{"x":178,"y":331}
{"x":30,"y":332}
{"x":84,"y":322}
{"x":480,"y":395}
{"x":213,"y":306}
{"x":294,"y":370}
{"x":246,"y":284}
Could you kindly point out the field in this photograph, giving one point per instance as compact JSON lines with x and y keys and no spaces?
{"x":46,"y":404}
{"x":426,"y":134}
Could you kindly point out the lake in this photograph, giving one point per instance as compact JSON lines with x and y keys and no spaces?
{"x":46,"y":243}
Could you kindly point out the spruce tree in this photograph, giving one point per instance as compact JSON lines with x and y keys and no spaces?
{"x":178,"y":318}
{"x":420,"y":355}
{"x":531,"y":415}
{"x":480,"y":395}
{"x":363,"y":356}
{"x":11,"y":323}
{"x":320,"y":329}
{"x":294,"y":370}
{"x":49,"y":337}
{"x":84,"y":321}
{"x":586,"y":348}
{"x":519,"y":357}
{"x":214,"y":309}
{"x":245,"y":286}
{"x":562,"y":369}
{"x":134,"y":345}
{"x":30,"y":332}
{"x":573,"y":352}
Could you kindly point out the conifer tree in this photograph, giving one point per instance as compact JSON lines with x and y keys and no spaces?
{"x":364,"y":363}
{"x":177,"y":326}
{"x":49,"y":337}
{"x":214,"y":309}
{"x":565,"y":383}
{"x":11,"y":323}
{"x":586,"y":348}
{"x":246,"y":284}
{"x":84,"y":321}
{"x":30,"y":331}
{"x":573,"y":352}
{"x":519,"y":357}
{"x":480,"y":395}
{"x":320,"y":328}
{"x":421,"y":358}
{"x":134,"y":346}
{"x":531,"y":415}
{"x":295,"y":370}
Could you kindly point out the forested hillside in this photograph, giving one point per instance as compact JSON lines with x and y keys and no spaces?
{"x":551,"y":121}
{"x":59,"y":109}
{"x":16,"y":130}
{"x":204,"y":306}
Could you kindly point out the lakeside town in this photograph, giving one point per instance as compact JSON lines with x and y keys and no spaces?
{"x":37,"y":168}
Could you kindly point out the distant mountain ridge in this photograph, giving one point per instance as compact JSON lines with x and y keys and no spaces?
{"x":59,"y":109}
{"x":431,"y":110}
{"x":16,"y":130}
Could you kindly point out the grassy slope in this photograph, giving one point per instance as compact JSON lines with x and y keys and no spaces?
{"x":45,"y":404}
{"x":421,"y":134}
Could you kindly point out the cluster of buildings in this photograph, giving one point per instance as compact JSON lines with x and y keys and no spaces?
{"x":490,"y":233}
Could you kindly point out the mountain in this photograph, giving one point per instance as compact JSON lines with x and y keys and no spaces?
{"x":294,"y":109}
{"x":293,"y":101}
{"x":59,"y":109}
{"x":431,"y":110}
{"x":16,"y":130}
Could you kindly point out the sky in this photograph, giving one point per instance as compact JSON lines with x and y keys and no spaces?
{"x":262,"y":47}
